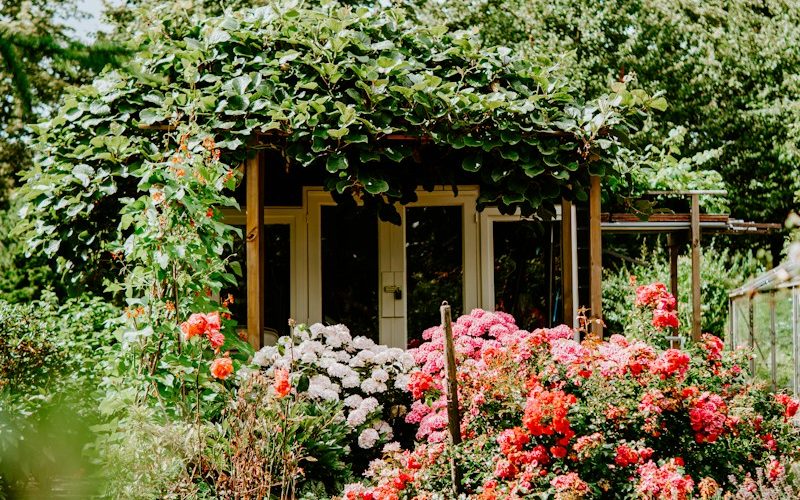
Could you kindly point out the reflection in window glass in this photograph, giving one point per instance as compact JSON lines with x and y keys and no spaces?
{"x":350,"y":269}
{"x":434,"y":265}
{"x":277,"y":293}
{"x":527,"y":270}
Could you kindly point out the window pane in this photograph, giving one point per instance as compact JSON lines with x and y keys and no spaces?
{"x":350,"y":269}
{"x":434,"y":265}
{"x":527,"y":270}
{"x":277,"y":294}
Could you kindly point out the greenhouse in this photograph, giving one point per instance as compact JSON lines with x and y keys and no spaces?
{"x":764,"y":316}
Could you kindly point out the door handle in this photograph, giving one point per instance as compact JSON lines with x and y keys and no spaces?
{"x":394,"y":289}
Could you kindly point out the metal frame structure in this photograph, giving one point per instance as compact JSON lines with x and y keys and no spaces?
{"x":778,"y":286}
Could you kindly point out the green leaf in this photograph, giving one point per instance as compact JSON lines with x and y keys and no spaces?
{"x":376,"y":186}
{"x":472,"y":163}
{"x":336,"y":163}
{"x":659,"y":103}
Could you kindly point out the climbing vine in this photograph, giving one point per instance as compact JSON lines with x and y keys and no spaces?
{"x":361,"y":95}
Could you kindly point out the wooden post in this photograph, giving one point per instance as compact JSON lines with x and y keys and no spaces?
{"x":773,"y":347}
{"x":696,"y":262}
{"x":255,"y":250}
{"x":453,"y":417}
{"x":752,"y":327}
{"x":672,"y":244}
{"x":566,"y":263}
{"x":595,"y":257}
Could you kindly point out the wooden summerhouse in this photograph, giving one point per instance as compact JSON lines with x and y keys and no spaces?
{"x":312,"y":259}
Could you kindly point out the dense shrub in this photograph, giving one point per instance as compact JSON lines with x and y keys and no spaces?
{"x":545,"y":414}
{"x":52,"y":358}
{"x":721,"y":272}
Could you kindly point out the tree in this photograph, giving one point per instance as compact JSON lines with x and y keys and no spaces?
{"x":39,"y":59}
{"x":729,"y":69}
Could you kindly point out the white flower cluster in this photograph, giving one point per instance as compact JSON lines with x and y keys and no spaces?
{"x":365,"y":376}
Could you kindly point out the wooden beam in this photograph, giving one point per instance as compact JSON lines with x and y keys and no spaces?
{"x":595,"y":256}
{"x":696,"y":262}
{"x":566,"y":262}
{"x":255,"y":249}
{"x":672,"y":243}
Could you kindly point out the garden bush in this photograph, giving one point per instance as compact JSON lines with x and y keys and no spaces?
{"x":328,"y":365}
{"x":545,"y":414}
{"x":721,"y":272}
{"x":52,"y":359}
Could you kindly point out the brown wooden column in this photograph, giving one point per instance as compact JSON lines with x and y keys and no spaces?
{"x":567,"y":263}
{"x":255,"y":249}
{"x":595,"y":256}
{"x":672,"y":244}
{"x":696,"y":262}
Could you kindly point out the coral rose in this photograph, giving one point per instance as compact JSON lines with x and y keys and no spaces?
{"x":195,"y":325}
{"x":222,"y":368}
{"x":281,"y":384}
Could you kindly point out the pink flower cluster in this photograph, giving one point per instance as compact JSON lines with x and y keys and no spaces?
{"x":569,"y":485}
{"x":656,"y":297}
{"x":667,"y":481}
{"x":207,"y":325}
{"x":708,"y":417}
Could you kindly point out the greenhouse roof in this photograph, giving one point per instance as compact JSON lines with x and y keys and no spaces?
{"x":786,"y":275}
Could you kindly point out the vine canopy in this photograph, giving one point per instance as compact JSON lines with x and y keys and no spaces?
{"x":329,"y":87}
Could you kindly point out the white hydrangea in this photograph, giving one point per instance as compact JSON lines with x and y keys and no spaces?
{"x":339,"y":370}
{"x":384,"y":429}
{"x":340,"y":367}
{"x":369,"y":404}
{"x":353,"y":401}
{"x":372,"y":386}
{"x":320,"y":386}
{"x":368,"y":438}
{"x":401,"y":382}
{"x":351,"y":381}
{"x":379,"y":375}
{"x":393,"y":447}
{"x":356,"y":417}
{"x":362,"y":343}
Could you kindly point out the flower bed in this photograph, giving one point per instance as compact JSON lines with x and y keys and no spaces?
{"x":545,"y":413}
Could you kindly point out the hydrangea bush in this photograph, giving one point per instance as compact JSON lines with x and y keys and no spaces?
{"x":545,"y":413}
{"x":328,"y":364}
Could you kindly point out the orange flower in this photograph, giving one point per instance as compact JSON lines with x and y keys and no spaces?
{"x":195,"y":325}
{"x":221,"y":368}
{"x":281,"y":383}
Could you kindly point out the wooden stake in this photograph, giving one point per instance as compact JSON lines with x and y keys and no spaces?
{"x":567,"y":263}
{"x":453,"y":417}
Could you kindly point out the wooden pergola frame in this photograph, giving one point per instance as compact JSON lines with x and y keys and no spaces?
{"x":695,"y":223}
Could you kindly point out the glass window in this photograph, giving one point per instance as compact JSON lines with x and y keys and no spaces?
{"x":434,"y":266}
{"x":527,"y":272}
{"x":277,"y":293}
{"x":350,"y":269}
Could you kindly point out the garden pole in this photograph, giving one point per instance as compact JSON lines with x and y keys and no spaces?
{"x":453,"y":418}
{"x":696,"y":262}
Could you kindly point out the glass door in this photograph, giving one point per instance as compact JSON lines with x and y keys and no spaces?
{"x":431,"y":257}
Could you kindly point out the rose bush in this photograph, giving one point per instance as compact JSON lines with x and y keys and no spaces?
{"x":544,"y":413}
